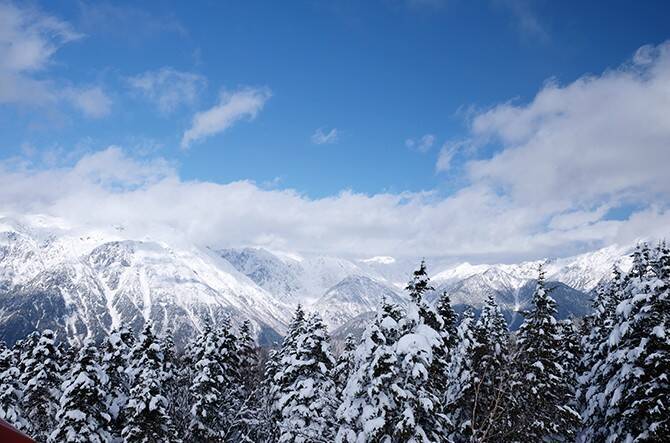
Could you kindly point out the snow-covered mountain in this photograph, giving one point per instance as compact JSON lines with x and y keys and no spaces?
{"x":86,"y":280}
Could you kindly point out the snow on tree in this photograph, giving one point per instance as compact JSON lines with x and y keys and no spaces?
{"x":460,"y":393}
{"x":369,"y":412}
{"x":592,"y":379}
{"x":11,"y":390}
{"x":248,"y":358}
{"x":449,"y":320}
{"x":115,"y":363}
{"x":638,"y":362}
{"x":147,"y":419}
{"x":422,"y":364}
{"x":83,"y":414}
{"x":490,"y":420}
{"x":345,"y":365}
{"x":543,"y":393}
{"x":206,"y":391}
{"x":280,"y":382}
{"x":308,"y":403}
{"x":231,"y":384}
{"x":42,"y":379}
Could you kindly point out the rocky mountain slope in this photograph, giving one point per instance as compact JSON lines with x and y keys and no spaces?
{"x":85,"y":281}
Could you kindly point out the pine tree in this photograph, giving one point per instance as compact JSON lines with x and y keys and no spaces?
{"x":206,"y":391}
{"x":307,"y":407}
{"x":460,"y":394}
{"x":449,"y":319}
{"x":345,"y":365}
{"x":248,"y":358}
{"x":42,"y":380}
{"x":115,"y":363}
{"x":638,"y":363}
{"x":421,"y":416}
{"x":11,"y":390}
{"x":280,"y":382}
{"x":594,"y":375}
{"x":490,"y":420}
{"x":368,"y":412}
{"x":231,"y":383}
{"x":83,"y":414}
{"x":543,"y":394}
{"x":147,"y":419}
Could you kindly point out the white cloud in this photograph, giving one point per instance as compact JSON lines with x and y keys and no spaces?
{"x":525,"y":18}
{"x":321,"y":138}
{"x":475,"y":223}
{"x":232,"y":107}
{"x":423,"y":144}
{"x":28,"y":40}
{"x":168,"y":88}
{"x":599,"y":139}
{"x":92,"y":101}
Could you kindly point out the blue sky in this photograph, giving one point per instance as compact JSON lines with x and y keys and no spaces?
{"x":375,"y":97}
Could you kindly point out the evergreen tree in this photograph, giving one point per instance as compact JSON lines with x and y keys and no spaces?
{"x":543,"y":394}
{"x":368,"y":412}
{"x":638,"y":362}
{"x":11,"y":390}
{"x":248,"y":358}
{"x":115,"y":363}
{"x":345,"y":365}
{"x":42,"y":380}
{"x":280,"y":382}
{"x":148,"y":420}
{"x":307,"y":407}
{"x":421,"y":415}
{"x":449,"y":320}
{"x":231,"y":383}
{"x":490,"y":419}
{"x":460,"y":395}
{"x":593,"y":375}
{"x":207,"y":411}
{"x":83,"y":415}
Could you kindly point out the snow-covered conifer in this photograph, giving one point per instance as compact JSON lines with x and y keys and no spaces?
{"x":11,"y":390}
{"x":42,"y":380}
{"x":638,"y":362}
{"x":115,"y":363}
{"x":308,"y":404}
{"x":83,"y":413}
{"x":460,"y":394}
{"x":490,"y":419}
{"x":369,"y":411}
{"x":544,"y":401}
{"x":345,"y":364}
{"x":147,"y":419}
{"x":206,"y":391}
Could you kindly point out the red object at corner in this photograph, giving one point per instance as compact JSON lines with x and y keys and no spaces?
{"x":9,"y":434}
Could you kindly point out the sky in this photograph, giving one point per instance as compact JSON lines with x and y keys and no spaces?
{"x":486,"y":131}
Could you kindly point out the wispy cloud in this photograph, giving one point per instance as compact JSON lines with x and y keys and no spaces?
{"x":29,"y":39}
{"x":168,"y":88}
{"x":423,"y":144}
{"x":321,"y":138}
{"x":241,"y":104}
{"x":126,"y":22}
{"x":525,"y":18}
{"x":92,"y":101}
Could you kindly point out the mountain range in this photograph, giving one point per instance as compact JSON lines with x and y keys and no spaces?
{"x":83,"y":281}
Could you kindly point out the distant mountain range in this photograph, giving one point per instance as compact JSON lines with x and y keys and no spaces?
{"x":84,"y":281}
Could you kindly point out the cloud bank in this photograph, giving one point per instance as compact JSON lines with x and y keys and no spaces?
{"x":580,"y":166}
